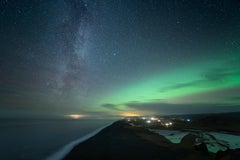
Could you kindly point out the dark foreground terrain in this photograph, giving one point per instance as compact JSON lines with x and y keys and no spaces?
{"x":122,"y":141}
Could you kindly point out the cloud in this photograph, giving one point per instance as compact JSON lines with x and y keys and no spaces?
{"x":211,"y":77}
{"x":227,"y":96}
{"x":111,"y":106}
{"x":220,"y":74}
{"x":237,"y":98}
{"x":180,"y":86}
{"x":165,"y":108}
{"x":222,"y":100}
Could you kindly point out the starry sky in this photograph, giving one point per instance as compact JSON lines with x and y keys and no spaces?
{"x":119,"y":57}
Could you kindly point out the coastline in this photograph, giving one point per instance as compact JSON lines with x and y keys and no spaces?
{"x":66,"y":149}
{"x":123,"y":141}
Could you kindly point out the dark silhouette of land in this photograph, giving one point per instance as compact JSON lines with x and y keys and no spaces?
{"x":127,"y":139}
{"x":122,"y":141}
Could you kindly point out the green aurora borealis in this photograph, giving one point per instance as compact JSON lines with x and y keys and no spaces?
{"x":180,"y":85}
{"x":112,"y":58}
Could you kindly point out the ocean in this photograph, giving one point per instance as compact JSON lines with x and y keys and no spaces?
{"x":44,"y":139}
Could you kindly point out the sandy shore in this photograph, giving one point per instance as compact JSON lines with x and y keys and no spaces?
{"x":123,"y":141}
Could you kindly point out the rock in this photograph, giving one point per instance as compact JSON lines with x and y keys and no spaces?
{"x":229,"y":154}
{"x":188,"y":140}
{"x":202,"y":148}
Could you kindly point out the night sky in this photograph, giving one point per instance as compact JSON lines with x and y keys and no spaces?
{"x":119,"y":57}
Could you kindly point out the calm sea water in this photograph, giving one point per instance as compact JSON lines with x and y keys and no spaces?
{"x":39,"y":139}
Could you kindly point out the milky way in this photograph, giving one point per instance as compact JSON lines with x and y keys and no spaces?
{"x":110,"y":58}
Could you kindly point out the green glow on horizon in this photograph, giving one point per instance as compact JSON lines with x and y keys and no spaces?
{"x":167,"y":87}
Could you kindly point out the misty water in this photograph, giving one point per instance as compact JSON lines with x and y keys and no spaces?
{"x":39,"y":139}
{"x":214,"y":141}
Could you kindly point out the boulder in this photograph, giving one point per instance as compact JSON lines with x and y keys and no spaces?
{"x":229,"y":154}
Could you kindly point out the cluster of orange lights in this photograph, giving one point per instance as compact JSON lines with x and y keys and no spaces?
{"x":76,"y":116}
{"x":130,"y":114}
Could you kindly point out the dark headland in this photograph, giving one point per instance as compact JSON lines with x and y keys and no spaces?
{"x":123,"y":141}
